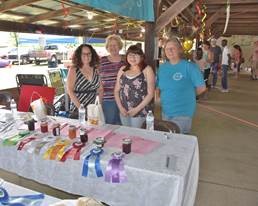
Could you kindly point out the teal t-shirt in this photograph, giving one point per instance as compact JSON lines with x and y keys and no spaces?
{"x":177,"y":84}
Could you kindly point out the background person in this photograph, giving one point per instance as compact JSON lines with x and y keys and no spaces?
{"x":208,"y":58}
{"x":225,"y":63}
{"x":134,"y":88}
{"x":237,"y":57}
{"x":109,"y":67}
{"x":83,"y":82}
{"x":216,"y":64}
{"x":178,"y":83}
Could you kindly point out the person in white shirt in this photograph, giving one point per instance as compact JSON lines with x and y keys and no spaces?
{"x":225,"y":65}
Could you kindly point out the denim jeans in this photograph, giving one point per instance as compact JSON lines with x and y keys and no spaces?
{"x":183,"y":122}
{"x":111,"y":112}
{"x":215,"y":67}
{"x":132,"y":121}
{"x":224,"y":80}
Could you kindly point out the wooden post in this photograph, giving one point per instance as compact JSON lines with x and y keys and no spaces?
{"x":150,"y":36}
{"x":150,"y":44}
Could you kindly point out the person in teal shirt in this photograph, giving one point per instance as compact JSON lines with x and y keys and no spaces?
{"x":178,"y":83}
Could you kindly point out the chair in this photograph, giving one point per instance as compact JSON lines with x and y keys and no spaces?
{"x":165,"y":126}
{"x":31,"y":79}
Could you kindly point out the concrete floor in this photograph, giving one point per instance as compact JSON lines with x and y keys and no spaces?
{"x":227,"y":129}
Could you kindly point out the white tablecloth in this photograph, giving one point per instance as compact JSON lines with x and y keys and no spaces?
{"x":15,"y":190}
{"x":150,"y":182}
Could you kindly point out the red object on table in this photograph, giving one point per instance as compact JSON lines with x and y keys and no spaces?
{"x":30,"y":93}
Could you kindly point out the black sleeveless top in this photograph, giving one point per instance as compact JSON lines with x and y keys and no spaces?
{"x":132,"y":92}
{"x":84,"y":89}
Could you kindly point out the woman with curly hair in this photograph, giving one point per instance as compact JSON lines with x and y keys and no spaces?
{"x":83,"y":82}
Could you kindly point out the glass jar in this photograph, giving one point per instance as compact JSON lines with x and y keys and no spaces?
{"x":83,"y":135}
{"x":99,"y":141}
{"x":31,"y":125}
{"x":56,"y":129}
{"x":72,"y":132}
{"x":44,"y":126}
{"x":126,"y":145}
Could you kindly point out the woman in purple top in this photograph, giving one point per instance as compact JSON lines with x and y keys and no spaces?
{"x":109,"y":67}
{"x":134,"y":88}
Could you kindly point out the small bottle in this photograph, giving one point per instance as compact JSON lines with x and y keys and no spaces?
{"x":13,"y":107}
{"x":150,"y":121}
{"x":82,"y":112}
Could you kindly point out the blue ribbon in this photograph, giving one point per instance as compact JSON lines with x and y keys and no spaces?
{"x":23,"y":200}
{"x":94,"y":153}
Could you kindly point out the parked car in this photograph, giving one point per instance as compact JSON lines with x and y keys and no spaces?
{"x":4,"y":63}
{"x":22,"y":53}
{"x":51,"y":54}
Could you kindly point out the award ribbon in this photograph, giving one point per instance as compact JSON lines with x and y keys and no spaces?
{"x":40,"y":145}
{"x":24,"y":142}
{"x":56,"y":149}
{"x":92,"y":162}
{"x":73,"y":152}
{"x":22,"y":200}
{"x":16,"y":138}
{"x":115,"y":172}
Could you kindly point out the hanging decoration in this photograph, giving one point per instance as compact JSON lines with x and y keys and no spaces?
{"x":65,"y":10}
{"x":175,"y":22}
{"x":115,"y":28}
{"x":200,"y":19}
{"x":227,"y":17}
{"x":187,"y":45}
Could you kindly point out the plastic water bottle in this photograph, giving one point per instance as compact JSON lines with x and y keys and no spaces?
{"x":13,"y":107}
{"x":82,"y":114}
{"x":150,"y":121}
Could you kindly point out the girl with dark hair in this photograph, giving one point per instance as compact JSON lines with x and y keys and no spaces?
{"x":134,"y":88}
{"x":83,"y":82}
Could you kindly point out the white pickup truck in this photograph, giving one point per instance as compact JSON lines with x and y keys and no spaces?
{"x":50,"y":53}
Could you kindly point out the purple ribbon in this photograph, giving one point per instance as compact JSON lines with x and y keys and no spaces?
{"x":115,"y":172}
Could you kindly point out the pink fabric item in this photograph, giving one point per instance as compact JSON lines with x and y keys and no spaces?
{"x":139,"y":144}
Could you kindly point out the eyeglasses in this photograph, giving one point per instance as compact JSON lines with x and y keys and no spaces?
{"x":86,"y":54}
{"x":132,"y":55}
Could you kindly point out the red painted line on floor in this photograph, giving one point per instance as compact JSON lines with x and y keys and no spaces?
{"x":228,"y":115}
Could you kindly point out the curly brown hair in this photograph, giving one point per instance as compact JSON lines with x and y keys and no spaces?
{"x":77,"y":61}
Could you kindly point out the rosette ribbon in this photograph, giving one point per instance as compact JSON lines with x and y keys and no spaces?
{"x":24,"y":142}
{"x":11,"y":141}
{"x":23,"y":200}
{"x":74,"y":151}
{"x":115,"y":172}
{"x":56,"y":150}
{"x":92,"y":162}
{"x":40,"y":145}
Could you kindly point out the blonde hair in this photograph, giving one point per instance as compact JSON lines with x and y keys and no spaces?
{"x":178,"y":44}
{"x":115,"y":37}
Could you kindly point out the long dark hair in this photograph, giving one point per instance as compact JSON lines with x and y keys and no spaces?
{"x":77,"y":61}
{"x":134,"y":49}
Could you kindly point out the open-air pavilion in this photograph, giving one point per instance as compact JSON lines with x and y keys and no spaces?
{"x":226,"y":125}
